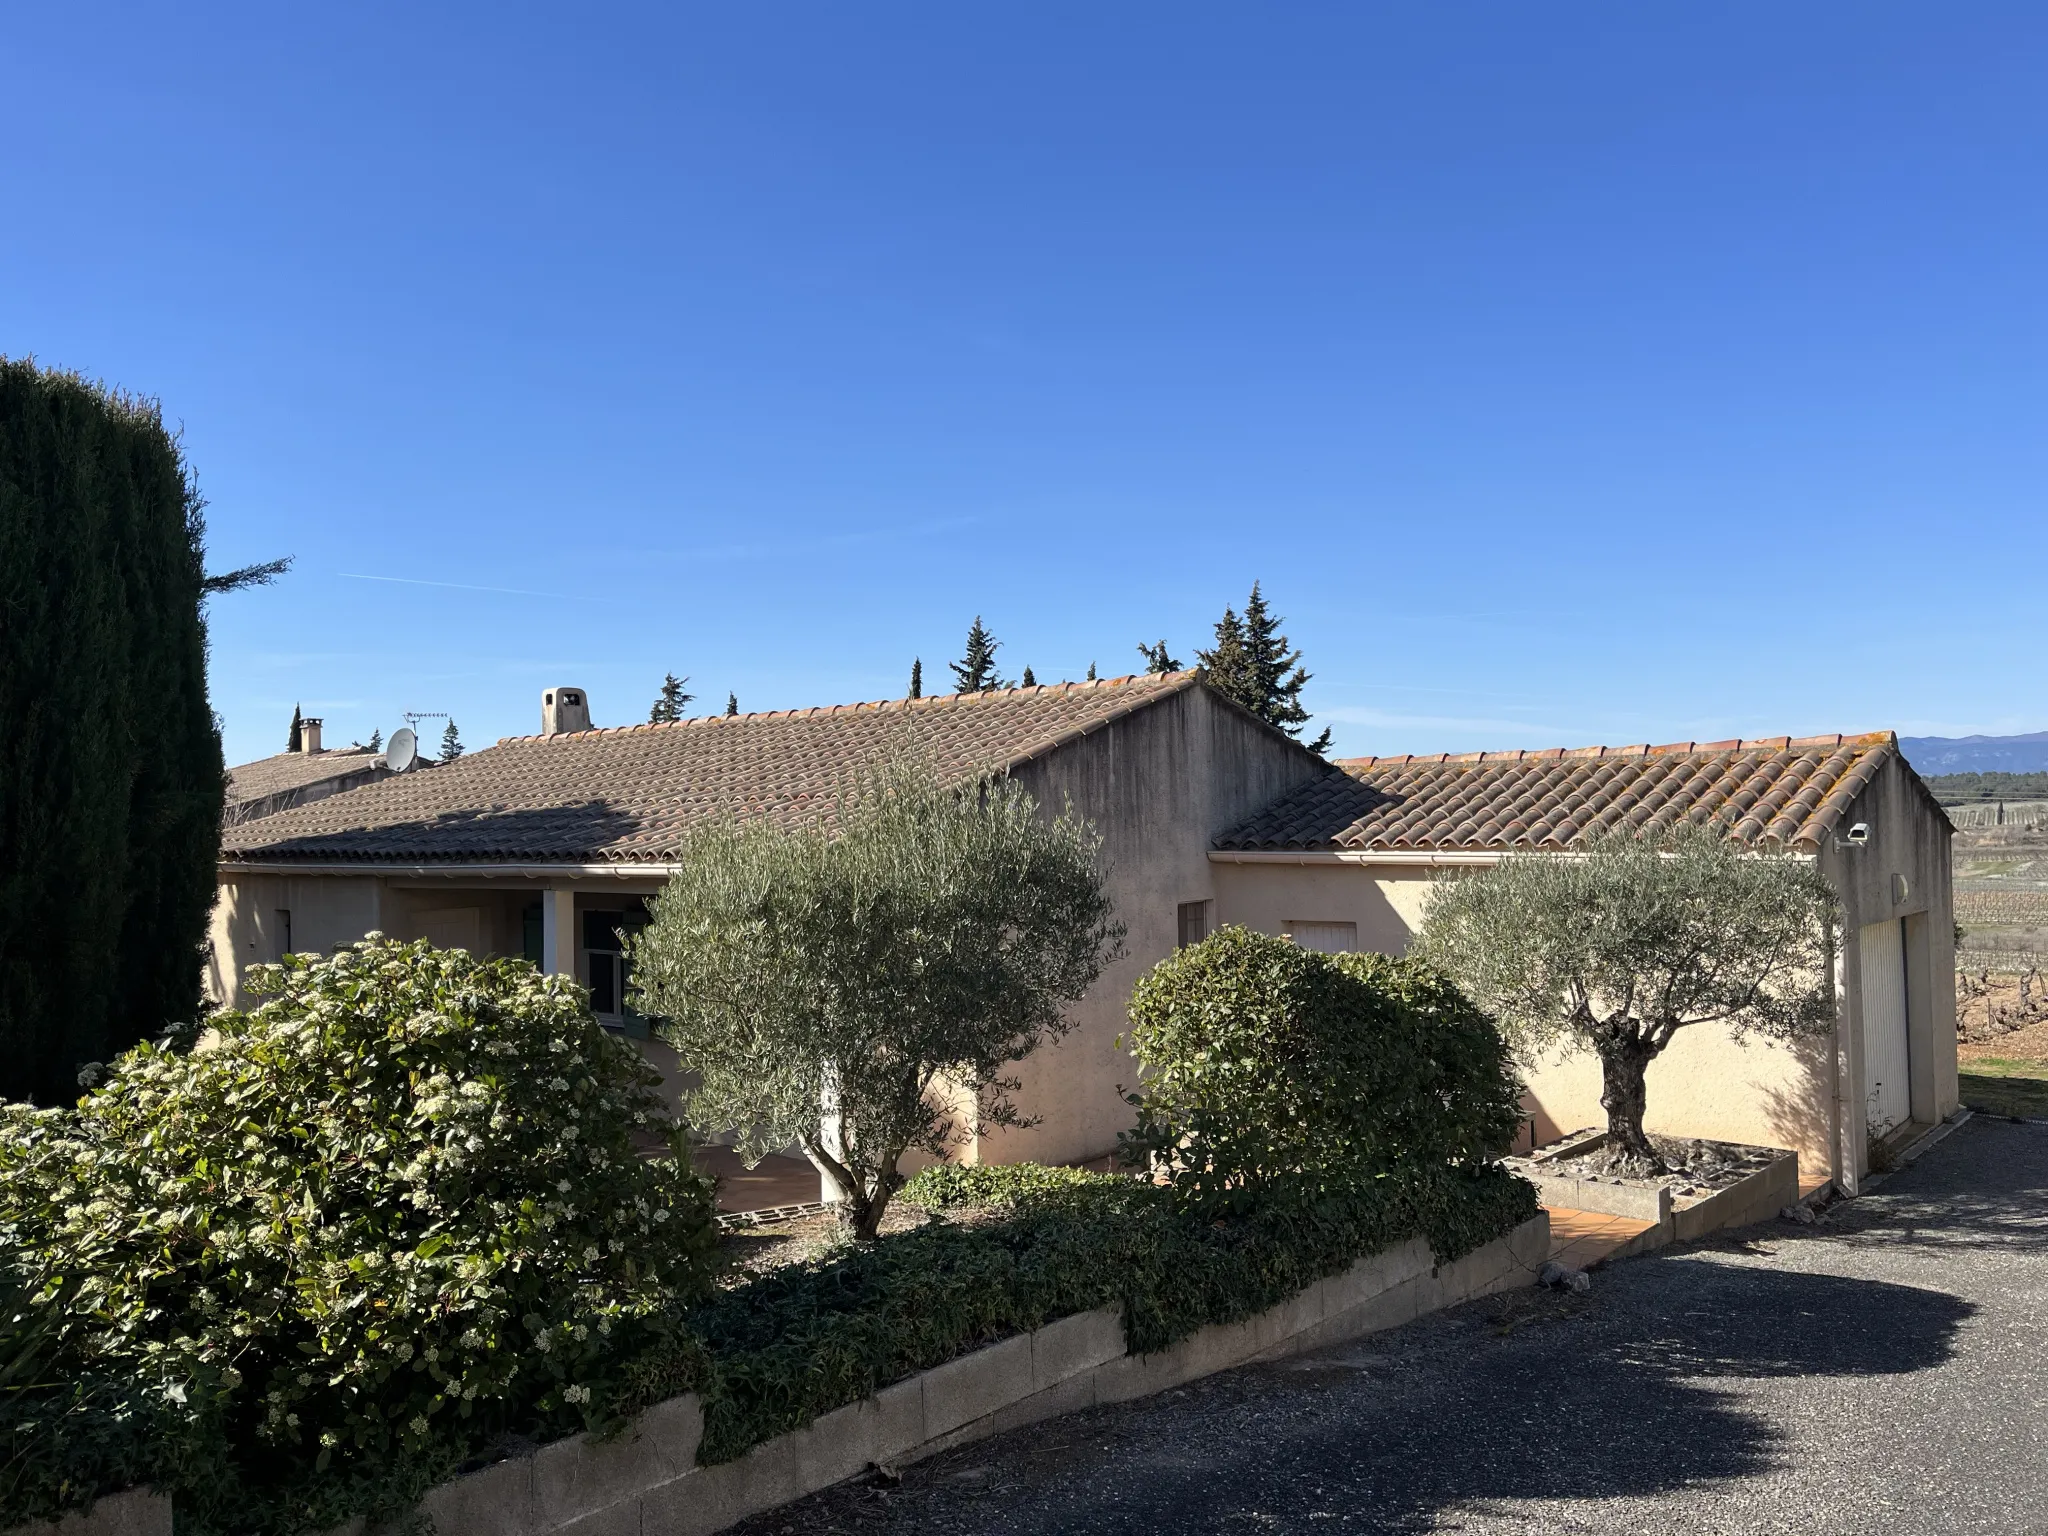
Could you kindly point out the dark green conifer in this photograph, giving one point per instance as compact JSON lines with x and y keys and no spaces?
{"x":670,"y":703}
{"x":732,"y":703}
{"x":1156,"y":658}
{"x":294,"y":741}
{"x":1027,"y":680}
{"x":377,"y":739}
{"x":111,"y":779}
{"x":1091,"y":671}
{"x":1253,"y":664}
{"x":976,"y":671}
{"x":917,"y":677}
{"x":451,"y":742}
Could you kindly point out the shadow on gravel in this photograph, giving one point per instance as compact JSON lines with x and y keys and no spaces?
{"x":1526,"y":1397}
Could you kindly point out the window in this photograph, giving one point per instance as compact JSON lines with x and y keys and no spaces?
{"x":605,"y":964}
{"x":1194,"y":922}
{"x":1329,"y":938}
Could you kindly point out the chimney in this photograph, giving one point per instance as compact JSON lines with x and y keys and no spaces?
{"x":564,"y":709}
{"x":309,"y":735}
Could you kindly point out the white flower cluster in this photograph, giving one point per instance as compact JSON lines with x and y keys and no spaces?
{"x":396,"y":1160}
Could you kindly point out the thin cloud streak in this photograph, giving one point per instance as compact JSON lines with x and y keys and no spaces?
{"x":459,"y":586}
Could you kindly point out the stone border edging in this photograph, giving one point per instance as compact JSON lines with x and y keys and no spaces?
{"x":647,"y":1481}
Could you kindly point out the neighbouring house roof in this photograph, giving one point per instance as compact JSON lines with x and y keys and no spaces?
{"x":1784,"y":791}
{"x":628,"y":795}
{"x":290,"y":771}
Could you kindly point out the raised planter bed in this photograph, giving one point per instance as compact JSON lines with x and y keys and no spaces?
{"x":648,"y":1479}
{"x":1721,"y":1184}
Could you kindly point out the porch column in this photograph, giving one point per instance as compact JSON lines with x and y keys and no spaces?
{"x":558,"y":932}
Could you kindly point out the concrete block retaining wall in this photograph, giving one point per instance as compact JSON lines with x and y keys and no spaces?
{"x":646,"y":1482}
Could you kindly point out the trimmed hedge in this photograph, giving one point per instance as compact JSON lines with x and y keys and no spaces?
{"x":771,"y":1356}
{"x":1268,"y":1066}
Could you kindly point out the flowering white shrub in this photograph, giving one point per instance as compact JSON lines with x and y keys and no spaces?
{"x":400,"y":1204}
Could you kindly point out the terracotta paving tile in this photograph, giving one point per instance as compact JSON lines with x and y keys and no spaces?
{"x":1582,"y":1239}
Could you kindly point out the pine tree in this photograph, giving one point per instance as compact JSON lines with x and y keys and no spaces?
{"x":451,"y":743}
{"x":669,"y":706}
{"x":1091,"y":671}
{"x":917,"y":677}
{"x":976,"y":671}
{"x":732,"y":704}
{"x":1027,"y":680}
{"x":1253,"y":664}
{"x":292,"y":743}
{"x":1156,"y":659}
{"x":377,"y":739}
{"x":111,"y":779}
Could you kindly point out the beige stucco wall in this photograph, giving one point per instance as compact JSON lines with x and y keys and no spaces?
{"x":1385,"y":903}
{"x":1160,"y":785}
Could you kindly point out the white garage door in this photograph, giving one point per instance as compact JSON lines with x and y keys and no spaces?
{"x":1886,"y":1071}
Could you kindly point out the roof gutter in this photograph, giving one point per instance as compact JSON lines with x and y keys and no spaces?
{"x":1412,"y":857}
{"x":1418,"y":859}
{"x":393,"y":869}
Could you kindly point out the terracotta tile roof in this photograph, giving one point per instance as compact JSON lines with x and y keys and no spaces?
{"x":628,"y":794}
{"x":297,"y":770}
{"x":1783,"y":791}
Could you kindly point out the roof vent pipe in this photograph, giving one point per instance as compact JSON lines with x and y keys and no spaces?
{"x":564,"y":709}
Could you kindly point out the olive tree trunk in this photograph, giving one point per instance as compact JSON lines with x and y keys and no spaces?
{"x":1624,"y":1093}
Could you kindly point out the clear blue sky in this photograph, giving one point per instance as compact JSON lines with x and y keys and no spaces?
{"x":1567,"y":374}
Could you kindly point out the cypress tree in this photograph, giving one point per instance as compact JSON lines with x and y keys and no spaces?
{"x":669,"y":704}
{"x":916,"y":677}
{"x":377,"y":739}
{"x":111,"y":777}
{"x":1157,"y":661}
{"x":1253,"y":664}
{"x":976,"y":671}
{"x":1027,"y":680}
{"x":296,"y":740}
{"x":732,"y":704}
{"x":1091,"y":671}
{"x":451,"y":742}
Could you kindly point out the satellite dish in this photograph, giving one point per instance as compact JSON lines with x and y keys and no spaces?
{"x":401,"y":750}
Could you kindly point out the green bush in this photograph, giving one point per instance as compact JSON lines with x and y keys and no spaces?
{"x":947,"y":1186}
{"x":1268,"y":1067}
{"x":392,"y":1214}
{"x":771,"y":1356}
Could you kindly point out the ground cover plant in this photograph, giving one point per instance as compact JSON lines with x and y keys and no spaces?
{"x":860,"y":984}
{"x":770,"y":1356}
{"x":1617,"y":946}
{"x":355,"y":1236}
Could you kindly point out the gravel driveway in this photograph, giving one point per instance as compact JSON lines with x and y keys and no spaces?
{"x":1885,"y":1370}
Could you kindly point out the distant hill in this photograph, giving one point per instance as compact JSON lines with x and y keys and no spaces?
{"x":1932,"y":755}
{"x":1983,"y":788}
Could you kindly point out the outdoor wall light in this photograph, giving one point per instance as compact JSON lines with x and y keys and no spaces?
{"x":1858,"y":836}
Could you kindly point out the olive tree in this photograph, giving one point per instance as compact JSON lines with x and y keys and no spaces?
{"x":859,"y":983}
{"x":1616,"y":947}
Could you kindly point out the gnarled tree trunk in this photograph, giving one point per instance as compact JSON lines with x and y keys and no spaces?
{"x":1624,"y":1092}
